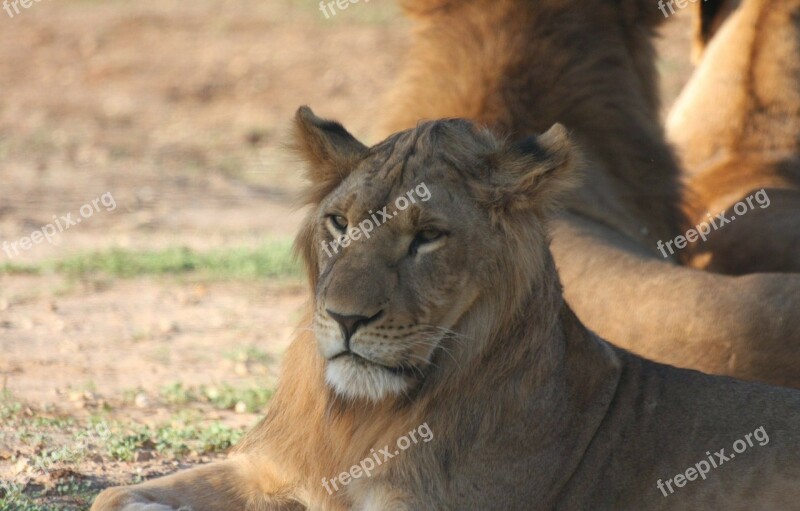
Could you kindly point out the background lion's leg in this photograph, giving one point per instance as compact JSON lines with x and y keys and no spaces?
{"x":230,"y":485}
{"x":746,"y":327}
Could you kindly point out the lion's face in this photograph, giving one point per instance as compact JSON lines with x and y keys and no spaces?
{"x":386,"y":300}
{"x":402,"y":245}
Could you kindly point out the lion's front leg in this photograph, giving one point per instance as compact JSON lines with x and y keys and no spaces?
{"x":231,"y":485}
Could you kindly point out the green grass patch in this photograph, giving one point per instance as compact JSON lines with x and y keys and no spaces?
{"x":9,"y":407}
{"x":173,"y":440}
{"x":111,"y":440}
{"x":273,"y":260}
{"x":71,"y":494}
{"x":13,"y":499}
{"x":19,"y":269}
{"x":52,"y":442}
{"x":248,"y":354}
{"x":223,"y":397}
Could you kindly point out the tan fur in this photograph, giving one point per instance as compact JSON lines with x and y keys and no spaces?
{"x":520,"y":66}
{"x":528,"y":409}
{"x":737,"y":126}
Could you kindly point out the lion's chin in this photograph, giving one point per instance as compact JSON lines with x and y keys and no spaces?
{"x":356,"y":379}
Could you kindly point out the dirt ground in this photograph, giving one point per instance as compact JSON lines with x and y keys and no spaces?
{"x":179,"y":111}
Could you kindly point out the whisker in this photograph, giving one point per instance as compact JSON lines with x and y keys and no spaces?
{"x":435,"y":342}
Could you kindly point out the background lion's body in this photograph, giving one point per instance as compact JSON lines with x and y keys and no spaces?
{"x":737,"y":129}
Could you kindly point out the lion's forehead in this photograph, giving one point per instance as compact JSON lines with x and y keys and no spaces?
{"x":435,"y":184}
{"x":435,"y":151}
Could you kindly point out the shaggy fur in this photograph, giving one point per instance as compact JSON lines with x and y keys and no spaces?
{"x":528,"y":408}
{"x":520,"y":66}
{"x":737,"y":126}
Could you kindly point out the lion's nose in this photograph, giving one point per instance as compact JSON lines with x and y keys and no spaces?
{"x":349,"y":323}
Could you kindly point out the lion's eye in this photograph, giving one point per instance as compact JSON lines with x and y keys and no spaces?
{"x":429,"y":235}
{"x":339,"y":222}
{"x":423,"y":237}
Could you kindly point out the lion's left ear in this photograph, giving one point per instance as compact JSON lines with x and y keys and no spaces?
{"x":330,"y":150}
{"x":534,"y":173}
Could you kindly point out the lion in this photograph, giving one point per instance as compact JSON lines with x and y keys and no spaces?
{"x":737,"y":128}
{"x":518,"y":67}
{"x":447,"y":312}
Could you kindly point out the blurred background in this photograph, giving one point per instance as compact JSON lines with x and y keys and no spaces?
{"x":147,"y":336}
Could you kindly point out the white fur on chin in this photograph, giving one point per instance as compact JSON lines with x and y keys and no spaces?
{"x":352,"y":379}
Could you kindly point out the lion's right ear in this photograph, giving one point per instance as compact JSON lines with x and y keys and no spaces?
{"x":708,"y":18}
{"x":330,"y":151}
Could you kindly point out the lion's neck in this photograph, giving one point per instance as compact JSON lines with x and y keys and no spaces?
{"x":539,"y":393}
{"x":519,"y":334}
{"x":529,"y":347}
{"x":504,"y":65}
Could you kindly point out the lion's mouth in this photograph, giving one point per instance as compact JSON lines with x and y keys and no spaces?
{"x":401,"y":370}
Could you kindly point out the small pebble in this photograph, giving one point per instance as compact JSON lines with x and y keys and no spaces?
{"x":141,"y":401}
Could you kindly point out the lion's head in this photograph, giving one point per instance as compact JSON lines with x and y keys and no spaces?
{"x":405,"y":237}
